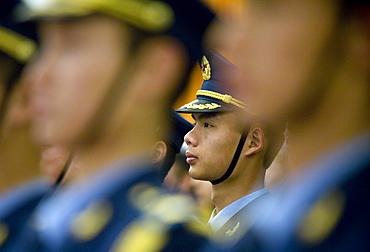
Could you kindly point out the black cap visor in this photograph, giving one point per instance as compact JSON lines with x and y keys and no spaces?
{"x":203,"y":106}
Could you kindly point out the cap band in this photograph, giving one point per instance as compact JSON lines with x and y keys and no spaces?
{"x":146,"y":14}
{"x":222,"y":97}
{"x":15,"y":45}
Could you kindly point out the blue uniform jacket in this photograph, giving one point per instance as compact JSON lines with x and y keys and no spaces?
{"x":96,"y":216}
{"x":328,"y":209}
{"x":16,"y":207}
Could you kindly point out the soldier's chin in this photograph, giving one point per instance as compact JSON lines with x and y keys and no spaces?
{"x":44,"y":133}
{"x":196,"y":174}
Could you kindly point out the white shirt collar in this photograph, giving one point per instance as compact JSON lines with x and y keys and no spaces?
{"x":217,"y":220}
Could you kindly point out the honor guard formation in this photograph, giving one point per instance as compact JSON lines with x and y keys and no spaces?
{"x":96,"y":153}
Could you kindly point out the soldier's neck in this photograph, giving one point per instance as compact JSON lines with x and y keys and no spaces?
{"x":224,"y":194}
{"x":342,"y":116}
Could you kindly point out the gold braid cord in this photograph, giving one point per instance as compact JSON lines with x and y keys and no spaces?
{"x":16,"y":45}
{"x":223,"y":97}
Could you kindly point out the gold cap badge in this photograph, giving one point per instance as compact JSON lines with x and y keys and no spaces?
{"x":206,"y":68}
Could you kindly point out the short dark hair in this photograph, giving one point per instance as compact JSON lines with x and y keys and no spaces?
{"x":275,"y":138}
{"x":168,"y":161}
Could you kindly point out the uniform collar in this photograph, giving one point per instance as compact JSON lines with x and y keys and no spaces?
{"x":217,"y":220}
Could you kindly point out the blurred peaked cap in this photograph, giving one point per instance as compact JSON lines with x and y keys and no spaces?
{"x":16,"y":40}
{"x":181,"y":127}
{"x":146,"y":14}
{"x":192,"y":19}
{"x":185,"y":19}
{"x":214,"y":95}
{"x":357,"y":2}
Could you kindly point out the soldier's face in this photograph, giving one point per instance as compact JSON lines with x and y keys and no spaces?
{"x":211,"y":144}
{"x":78,"y":62}
{"x":286,"y":53}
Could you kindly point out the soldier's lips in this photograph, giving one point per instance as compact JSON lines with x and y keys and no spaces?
{"x":190,"y":158}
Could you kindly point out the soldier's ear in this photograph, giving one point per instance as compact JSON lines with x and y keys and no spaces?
{"x":255,"y":141}
{"x":160,"y":150}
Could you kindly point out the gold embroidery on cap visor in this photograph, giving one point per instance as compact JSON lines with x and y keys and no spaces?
{"x":148,"y":15}
{"x":16,"y":45}
{"x":222,"y":97}
{"x":202,"y":106}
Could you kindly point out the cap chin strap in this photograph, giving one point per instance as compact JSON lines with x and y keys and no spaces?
{"x":64,"y":170}
{"x":234,"y":161}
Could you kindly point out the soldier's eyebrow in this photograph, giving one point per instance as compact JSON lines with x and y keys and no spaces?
{"x":199,"y":116}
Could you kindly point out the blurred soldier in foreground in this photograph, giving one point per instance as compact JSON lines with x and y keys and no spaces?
{"x":17,"y":46}
{"x":178,"y":179}
{"x":102,"y":85}
{"x":308,"y":62}
{"x":18,"y":155}
{"x":232,"y":153}
{"x":57,"y":162}
{"x":166,"y":151}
